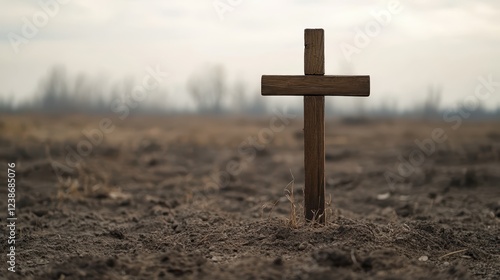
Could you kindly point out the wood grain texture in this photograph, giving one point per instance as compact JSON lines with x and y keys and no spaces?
{"x":314,"y":158}
{"x":315,"y":85}
{"x":314,"y":52}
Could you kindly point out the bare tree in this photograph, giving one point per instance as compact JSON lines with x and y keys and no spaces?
{"x":208,"y":89}
{"x":257,"y":105}
{"x":239,"y":100}
{"x":7,"y":104}
{"x":359,"y":107}
{"x":388,"y":107}
{"x":54,"y":92}
{"x":431,"y":104}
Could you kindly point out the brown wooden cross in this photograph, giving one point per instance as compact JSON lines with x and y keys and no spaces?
{"x":314,"y":86}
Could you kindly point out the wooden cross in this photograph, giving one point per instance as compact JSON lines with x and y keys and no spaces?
{"x":314,"y":86}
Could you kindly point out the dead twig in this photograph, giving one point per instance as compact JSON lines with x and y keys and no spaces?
{"x":453,"y":253}
{"x":270,"y":211}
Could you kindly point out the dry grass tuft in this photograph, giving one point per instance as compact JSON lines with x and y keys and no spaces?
{"x":295,"y":221}
{"x":292,"y":220}
{"x":86,"y":184}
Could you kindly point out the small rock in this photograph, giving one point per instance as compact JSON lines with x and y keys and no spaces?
{"x":383,"y":196}
{"x":178,"y":228}
{"x":278,"y":261}
{"x":405,"y":210}
{"x":302,"y":246}
{"x":333,"y":257}
{"x":446,"y":263}
{"x":388,"y":211}
{"x":404,"y":197}
{"x":283,"y":234}
{"x":423,"y":258}
{"x":491,"y":214}
{"x":40,"y":213}
{"x":204,"y":217}
{"x":117,"y":234}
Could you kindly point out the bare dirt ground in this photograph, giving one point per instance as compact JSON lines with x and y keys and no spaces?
{"x":156,"y":200}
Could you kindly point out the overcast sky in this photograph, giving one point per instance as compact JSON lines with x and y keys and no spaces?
{"x":447,"y":42}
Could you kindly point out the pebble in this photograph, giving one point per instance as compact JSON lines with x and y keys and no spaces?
{"x":178,"y":229}
{"x":423,"y":258}
{"x":383,"y":196}
{"x":302,"y":246}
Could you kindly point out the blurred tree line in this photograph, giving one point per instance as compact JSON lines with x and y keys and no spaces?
{"x":209,"y":92}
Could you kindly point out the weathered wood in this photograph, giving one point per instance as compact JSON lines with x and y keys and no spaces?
{"x":314,"y":52}
{"x":314,"y":118}
{"x":315,"y":85}
{"x":314,"y":158}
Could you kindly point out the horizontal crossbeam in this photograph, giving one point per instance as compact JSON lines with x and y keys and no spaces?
{"x":316,"y":85}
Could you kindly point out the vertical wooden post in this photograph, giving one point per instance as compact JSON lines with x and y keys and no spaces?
{"x":314,"y":130}
{"x":314,"y":52}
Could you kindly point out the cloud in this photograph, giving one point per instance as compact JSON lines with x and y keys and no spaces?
{"x":449,"y":39}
